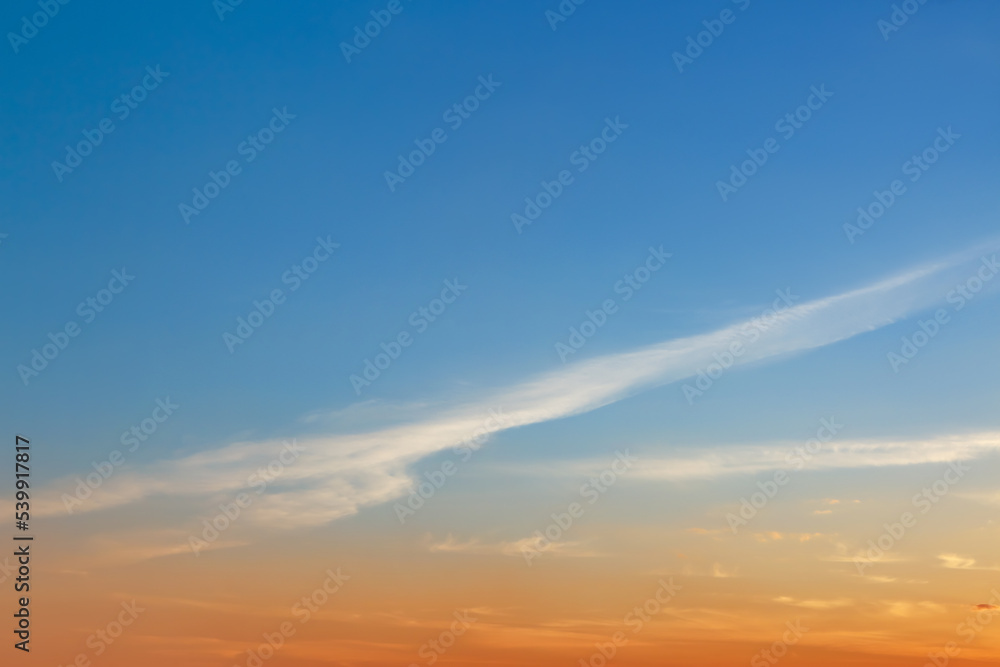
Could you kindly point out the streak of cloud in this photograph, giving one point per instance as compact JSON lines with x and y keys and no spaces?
{"x":336,"y":475}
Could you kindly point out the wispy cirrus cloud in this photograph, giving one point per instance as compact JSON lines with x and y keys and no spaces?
{"x":338,"y":474}
{"x":734,"y":460}
{"x":957,"y":562}
{"x":516,"y":548}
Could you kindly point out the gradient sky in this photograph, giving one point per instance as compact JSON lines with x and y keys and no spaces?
{"x":853,"y":299}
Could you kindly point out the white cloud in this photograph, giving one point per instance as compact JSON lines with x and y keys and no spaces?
{"x":338,"y":474}
{"x":516,"y":548}
{"x":846,"y":454}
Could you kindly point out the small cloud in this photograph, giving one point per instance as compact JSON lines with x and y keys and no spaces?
{"x":775,"y":536}
{"x":990,"y":498}
{"x":986,"y":607}
{"x":843,"y":555}
{"x":771,"y":536}
{"x":834,"y":503}
{"x":956,"y":562}
{"x":719,"y":573}
{"x":815,"y":604}
{"x":517,"y":548}
{"x":452,"y":545}
{"x":907,"y":609}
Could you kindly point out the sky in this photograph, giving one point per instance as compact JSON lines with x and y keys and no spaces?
{"x":525,"y":333}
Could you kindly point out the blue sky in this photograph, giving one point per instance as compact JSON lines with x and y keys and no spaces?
{"x":323,"y":176}
{"x":257,"y":120}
